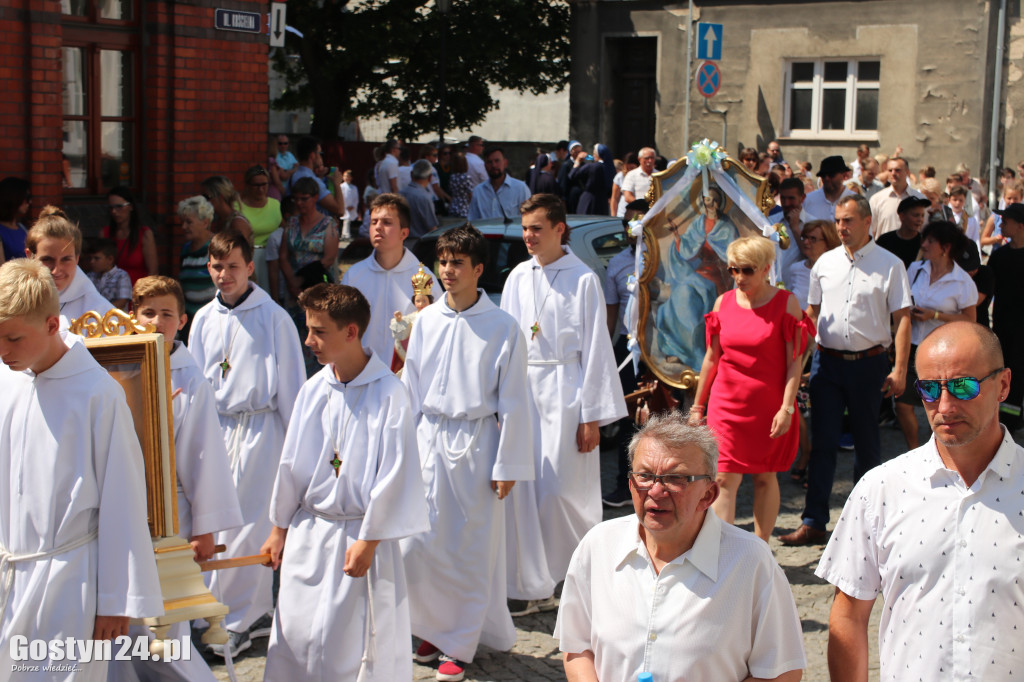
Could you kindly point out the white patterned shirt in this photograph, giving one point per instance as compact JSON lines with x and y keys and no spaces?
{"x":947,"y":560}
{"x":721,"y":611}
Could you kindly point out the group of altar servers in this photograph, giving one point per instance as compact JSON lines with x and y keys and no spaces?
{"x":393,"y":506}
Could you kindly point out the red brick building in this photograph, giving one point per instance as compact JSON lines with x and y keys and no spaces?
{"x":144,"y":93}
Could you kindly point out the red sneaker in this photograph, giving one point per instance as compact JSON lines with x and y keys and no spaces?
{"x":426,"y":652}
{"x":450,"y":670}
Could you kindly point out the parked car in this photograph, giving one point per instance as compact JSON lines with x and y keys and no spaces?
{"x":594,"y":240}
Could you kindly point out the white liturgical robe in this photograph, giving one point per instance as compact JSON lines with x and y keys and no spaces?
{"x":254,"y":398}
{"x":79,"y":297}
{"x":329,"y":626}
{"x":386,"y":291}
{"x":466,"y":374}
{"x":207,"y":501}
{"x":73,"y":535}
{"x":572,"y":380}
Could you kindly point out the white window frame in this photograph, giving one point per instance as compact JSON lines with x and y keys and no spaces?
{"x":817,"y":86}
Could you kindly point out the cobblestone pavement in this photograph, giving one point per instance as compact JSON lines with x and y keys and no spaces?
{"x":536,"y":656}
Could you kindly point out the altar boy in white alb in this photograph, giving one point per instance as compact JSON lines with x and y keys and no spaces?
{"x":466,"y":373}
{"x":383,"y":277}
{"x":56,"y":242}
{"x":248,"y":349}
{"x":348,"y":486}
{"x":207,"y":502}
{"x":574,"y":389}
{"x":76,"y":560}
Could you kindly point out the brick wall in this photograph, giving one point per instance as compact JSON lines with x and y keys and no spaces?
{"x":203,"y":98}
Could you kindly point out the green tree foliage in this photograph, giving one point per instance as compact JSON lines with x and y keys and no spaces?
{"x":382,"y":57}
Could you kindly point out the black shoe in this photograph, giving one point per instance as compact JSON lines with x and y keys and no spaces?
{"x":619,"y":497}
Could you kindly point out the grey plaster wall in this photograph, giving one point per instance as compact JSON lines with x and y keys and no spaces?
{"x":936,"y":73}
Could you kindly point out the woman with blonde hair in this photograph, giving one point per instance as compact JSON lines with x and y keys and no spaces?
{"x":225,"y":200}
{"x":56,"y":242}
{"x":756,"y":336}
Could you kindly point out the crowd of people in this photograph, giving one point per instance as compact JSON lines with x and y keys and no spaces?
{"x":442,"y":486}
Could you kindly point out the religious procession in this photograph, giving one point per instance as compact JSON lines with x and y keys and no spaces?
{"x":393,"y":469}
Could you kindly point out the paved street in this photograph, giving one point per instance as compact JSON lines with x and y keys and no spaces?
{"x":535,"y":655}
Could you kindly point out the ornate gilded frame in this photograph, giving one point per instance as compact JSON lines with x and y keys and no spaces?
{"x":657,"y":230}
{"x":140,"y":361}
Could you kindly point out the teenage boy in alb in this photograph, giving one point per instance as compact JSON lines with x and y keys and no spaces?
{"x":384,"y":277}
{"x":573,"y":387}
{"x":207,"y":502}
{"x":466,"y":373}
{"x":77,"y":560}
{"x":348,"y":486}
{"x":247,"y":348}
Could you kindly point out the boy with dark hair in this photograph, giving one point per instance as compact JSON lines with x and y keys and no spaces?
{"x":466,"y":365}
{"x":207,"y":502}
{"x":247,"y":348}
{"x":385,"y":277}
{"x":346,"y":489}
{"x":112,"y":282}
{"x":77,"y":559}
{"x":574,"y":388}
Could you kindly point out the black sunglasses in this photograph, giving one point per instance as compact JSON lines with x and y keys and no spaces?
{"x":746,"y":270}
{"x":961,"y":388}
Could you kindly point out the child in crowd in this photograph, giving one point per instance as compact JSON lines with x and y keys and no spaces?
{"x":247,"y":348}
{"x":466,"y":374}
{"x":992,"y":236}
{"x":112,"y":282}
{"x":278,"y":289}
{"x":968,"y":224}
{"x":347,"y":487}
{"x":56,"y":242}
{"x":383,"y":277}
{"x":77,"y":555}
{"x":207,"y":502}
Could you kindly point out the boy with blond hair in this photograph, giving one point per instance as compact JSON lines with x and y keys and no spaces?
{"x":348,"y":487}
{"x":76,"y":560}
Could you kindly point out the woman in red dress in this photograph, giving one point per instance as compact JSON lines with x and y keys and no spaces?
{"x":756,"y":336}
{"x":136,"y":245}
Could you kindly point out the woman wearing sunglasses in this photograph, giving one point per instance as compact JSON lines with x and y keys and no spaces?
{"x":756,"y":337}
{"x":942,"y":292}
{"x":136,"y":245}
{"x":264,"y":215}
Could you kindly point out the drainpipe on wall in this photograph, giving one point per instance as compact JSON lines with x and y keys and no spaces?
{"x":997,"y":96}
{"x":689,"y":74}
{"x":724,"y":144}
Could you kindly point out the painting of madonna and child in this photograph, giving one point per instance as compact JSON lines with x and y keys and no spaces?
{"x":686,"y":267}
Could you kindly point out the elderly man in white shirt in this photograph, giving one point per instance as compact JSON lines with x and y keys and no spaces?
{"x":853,"y":289}
{"x":885,"y":202}
{"x":637,"y":181}
{"x":474,"y":150}
{"x":937,"y":532}
{"x":674,"y":591}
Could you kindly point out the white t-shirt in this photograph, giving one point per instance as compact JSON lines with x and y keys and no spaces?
{"x":637,"y":182}
{"x":387,"y":170}
{"x":945,"y":558}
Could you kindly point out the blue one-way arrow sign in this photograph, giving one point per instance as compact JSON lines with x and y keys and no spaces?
{"x":709,"y":41}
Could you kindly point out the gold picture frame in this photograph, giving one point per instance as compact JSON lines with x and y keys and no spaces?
{"x":139,"y":361}
{"x":683,"y":271}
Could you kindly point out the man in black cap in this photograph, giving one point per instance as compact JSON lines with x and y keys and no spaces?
{"x":821,"y":203}
{"x":906,"y":241}
{"x":1007,"y":263}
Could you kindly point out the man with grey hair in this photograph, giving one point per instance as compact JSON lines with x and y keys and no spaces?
{"x":852,"y":291}
{"x":674,"y":591}
{"x":423,"y":217}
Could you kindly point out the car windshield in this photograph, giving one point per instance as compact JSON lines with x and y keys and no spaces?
{"x":502,"y":255}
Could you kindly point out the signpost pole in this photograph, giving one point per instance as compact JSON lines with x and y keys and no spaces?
{"x":689,"y":74}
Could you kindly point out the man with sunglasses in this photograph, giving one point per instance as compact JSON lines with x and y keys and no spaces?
{"x":674,"y":591}
{"x":852,"y":291}
{"x":938,"y":532}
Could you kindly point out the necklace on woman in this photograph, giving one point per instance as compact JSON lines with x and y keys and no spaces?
{"x":538,"y":309}
{"x":225,"y":365}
